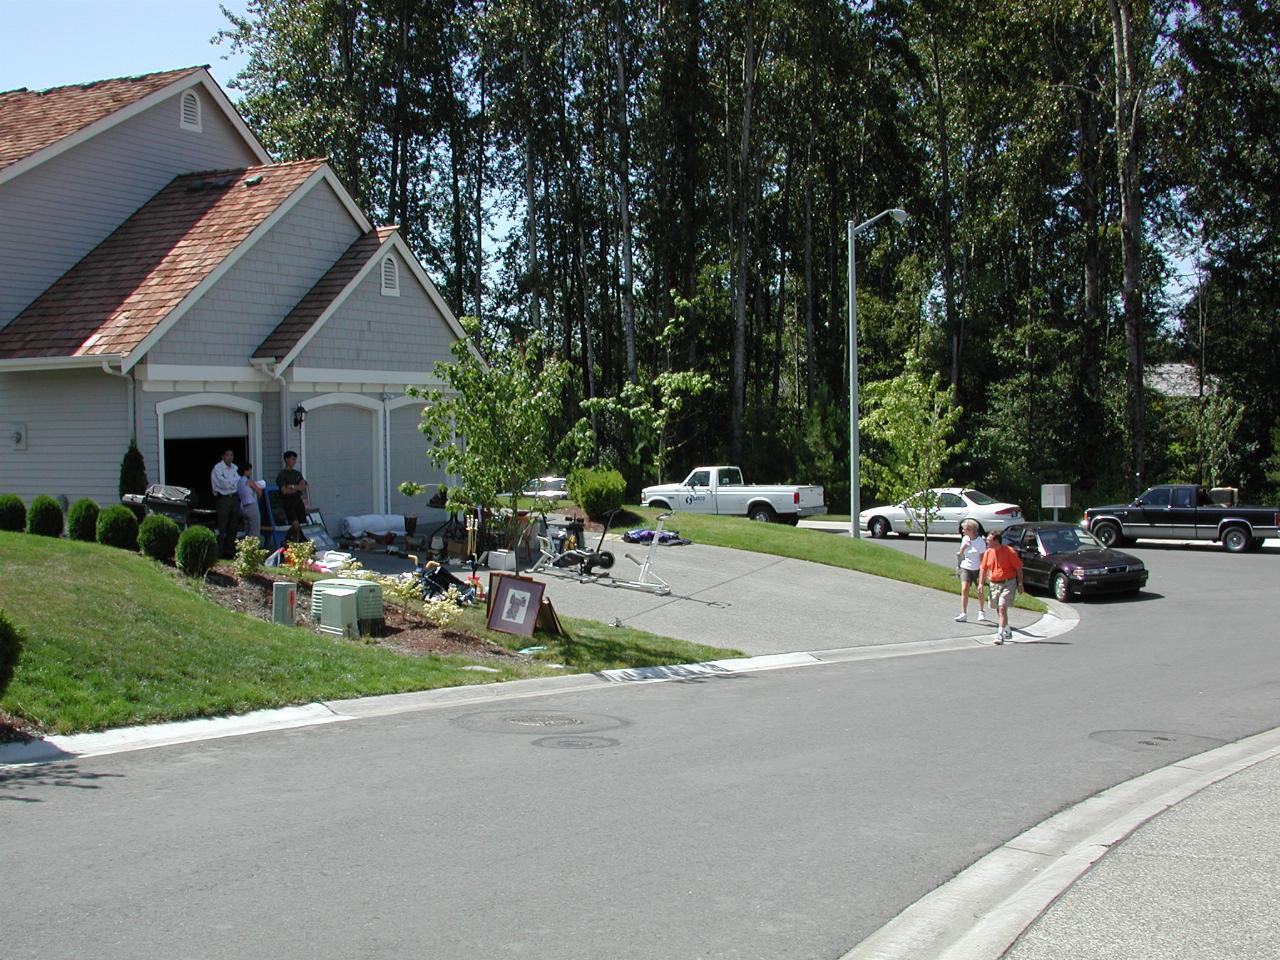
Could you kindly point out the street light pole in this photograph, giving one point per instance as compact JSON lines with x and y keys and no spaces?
{"x":855,"y":492}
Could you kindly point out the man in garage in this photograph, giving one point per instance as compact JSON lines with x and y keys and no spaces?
{"x":225,"y":481}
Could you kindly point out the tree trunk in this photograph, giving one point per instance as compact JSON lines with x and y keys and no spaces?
{"x":808,"y":274}
{"x":624,"y":194}
{"x":953,"y":320}
{"x":744,"y":210}
{"x":531,"y":216}
{"x":1128,"y":146}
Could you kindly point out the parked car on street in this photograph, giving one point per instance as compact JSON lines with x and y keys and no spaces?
{"x":1183,"y":511}
{"x":720,"y":490}
{"x":953,"y":505}
{"x":1069,"y":561}
{"x":549,"y":488}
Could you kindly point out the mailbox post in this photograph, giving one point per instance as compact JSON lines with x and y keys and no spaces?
{"x":1055,"y":495}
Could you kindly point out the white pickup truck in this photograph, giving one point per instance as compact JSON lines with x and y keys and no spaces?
{"x":721,"y":490}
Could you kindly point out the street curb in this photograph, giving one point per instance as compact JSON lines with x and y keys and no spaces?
{"x":124,"y":739}
{"x":982,"y":911}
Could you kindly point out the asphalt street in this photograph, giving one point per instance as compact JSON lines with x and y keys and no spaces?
{"x":780,"y":814}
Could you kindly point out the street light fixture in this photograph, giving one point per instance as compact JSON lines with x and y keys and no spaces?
{"x":855,"y":494}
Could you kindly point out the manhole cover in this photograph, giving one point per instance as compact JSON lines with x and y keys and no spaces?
{"x":1163,"y":740}
{"x":576,"y":743}
{"x":545,"y":720}
{"x":530,"y":721}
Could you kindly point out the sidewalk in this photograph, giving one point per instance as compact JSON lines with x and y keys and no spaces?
{"x":1200,"y":881}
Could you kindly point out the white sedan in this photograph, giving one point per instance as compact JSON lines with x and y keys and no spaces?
{"x":952,"y":506}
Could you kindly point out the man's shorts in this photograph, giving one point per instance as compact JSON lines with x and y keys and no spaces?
{"x":1003,"y":592}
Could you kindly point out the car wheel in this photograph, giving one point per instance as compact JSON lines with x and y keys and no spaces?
{"x":1108,"y":533}
{"x":1236,"y":539}
{"x":1061,"y":588}
{"x":878,"y":527}
{"x":762,"y":514}
{"x":659,"y":505}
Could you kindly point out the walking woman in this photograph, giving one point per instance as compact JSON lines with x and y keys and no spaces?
{"x":968,"y":561}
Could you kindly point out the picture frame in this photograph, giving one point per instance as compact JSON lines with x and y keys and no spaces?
{"x":516,"y":604}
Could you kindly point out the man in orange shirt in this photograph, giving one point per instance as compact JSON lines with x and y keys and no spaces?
{"x":1002,"y":568}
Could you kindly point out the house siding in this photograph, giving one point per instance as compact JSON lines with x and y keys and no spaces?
{"x":76,"y":434}
{"x":370,"y":331}
{"x":57,"y":212}
{"x":232,"y":319}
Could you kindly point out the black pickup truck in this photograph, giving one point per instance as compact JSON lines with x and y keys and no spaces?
{"x":1183,"y":511}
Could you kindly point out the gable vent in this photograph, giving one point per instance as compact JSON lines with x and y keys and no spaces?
{"x":190,"y":119}
{"x":390,"y":278}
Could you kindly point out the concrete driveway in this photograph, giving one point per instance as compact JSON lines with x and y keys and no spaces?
{"x":756,"y":603}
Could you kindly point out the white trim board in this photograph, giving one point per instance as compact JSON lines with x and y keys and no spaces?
{"x":251,"y":408}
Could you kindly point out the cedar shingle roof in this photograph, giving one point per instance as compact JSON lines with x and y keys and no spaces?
{"x":32,"y":120}
{"x":110,"y":301}
{"x":308,"y":310}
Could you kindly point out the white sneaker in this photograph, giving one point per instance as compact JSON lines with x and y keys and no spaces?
{"x":981,"y":616}
{"x":961,"y":618}
{"x":999,"y":636}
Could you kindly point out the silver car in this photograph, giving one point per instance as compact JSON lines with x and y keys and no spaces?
{"x":951,"y":507}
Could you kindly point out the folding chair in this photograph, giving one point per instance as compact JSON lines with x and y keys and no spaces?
{"x":275,"y":526}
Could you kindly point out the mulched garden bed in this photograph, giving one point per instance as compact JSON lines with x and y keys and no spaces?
{"x":405,"y":632}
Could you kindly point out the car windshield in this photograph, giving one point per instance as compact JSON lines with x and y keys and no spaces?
{"x":1068,"y":540}
{"x":980,"y":498}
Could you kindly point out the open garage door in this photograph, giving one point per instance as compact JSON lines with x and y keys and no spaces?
{"x":194,"y":439}
{"x":340,"y":446}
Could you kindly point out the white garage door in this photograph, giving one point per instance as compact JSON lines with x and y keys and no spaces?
{"x":195,"y":422}
{"x":409,"y":461}
{"x":340,"y":448}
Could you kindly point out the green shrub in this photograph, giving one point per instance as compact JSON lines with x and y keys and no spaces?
{"x":10,"y":649}
{"x":158,"y":537}
{"x":133,"y":471}
{"x":82,"y":520}
{"x":197,"y":551}
{"x":250,"y":556}
{"x":44,"y":517}
{"x":118,"y":527}
{"x":596,"y":491}
{"x":13,"y":513}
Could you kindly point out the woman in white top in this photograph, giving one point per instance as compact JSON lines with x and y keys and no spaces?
{"x":968,"y":560}
{"x":249,"y":490}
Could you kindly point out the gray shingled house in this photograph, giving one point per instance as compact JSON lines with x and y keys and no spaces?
{"x":161,"y":278}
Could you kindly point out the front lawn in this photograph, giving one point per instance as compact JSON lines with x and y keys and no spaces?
{"x":112,"y":639}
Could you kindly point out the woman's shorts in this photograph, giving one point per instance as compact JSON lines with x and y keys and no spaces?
{"x":968,"y":576}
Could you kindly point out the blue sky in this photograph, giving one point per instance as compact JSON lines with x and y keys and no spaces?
{"x":50,"y":43}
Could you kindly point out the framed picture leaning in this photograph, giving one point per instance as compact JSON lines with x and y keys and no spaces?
{"x":514,"y":605}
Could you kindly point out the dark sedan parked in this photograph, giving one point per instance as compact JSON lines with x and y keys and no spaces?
{"x":1069,"y":561}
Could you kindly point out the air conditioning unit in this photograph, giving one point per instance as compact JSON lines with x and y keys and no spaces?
{"x":368,"y":601}
{"x":338,"y":613}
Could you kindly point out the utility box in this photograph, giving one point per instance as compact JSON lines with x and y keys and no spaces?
{"x":369,"y":610}
{"x":284,"y":600}
{"x":1055,"y":495}
{"x":338,"y":613}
